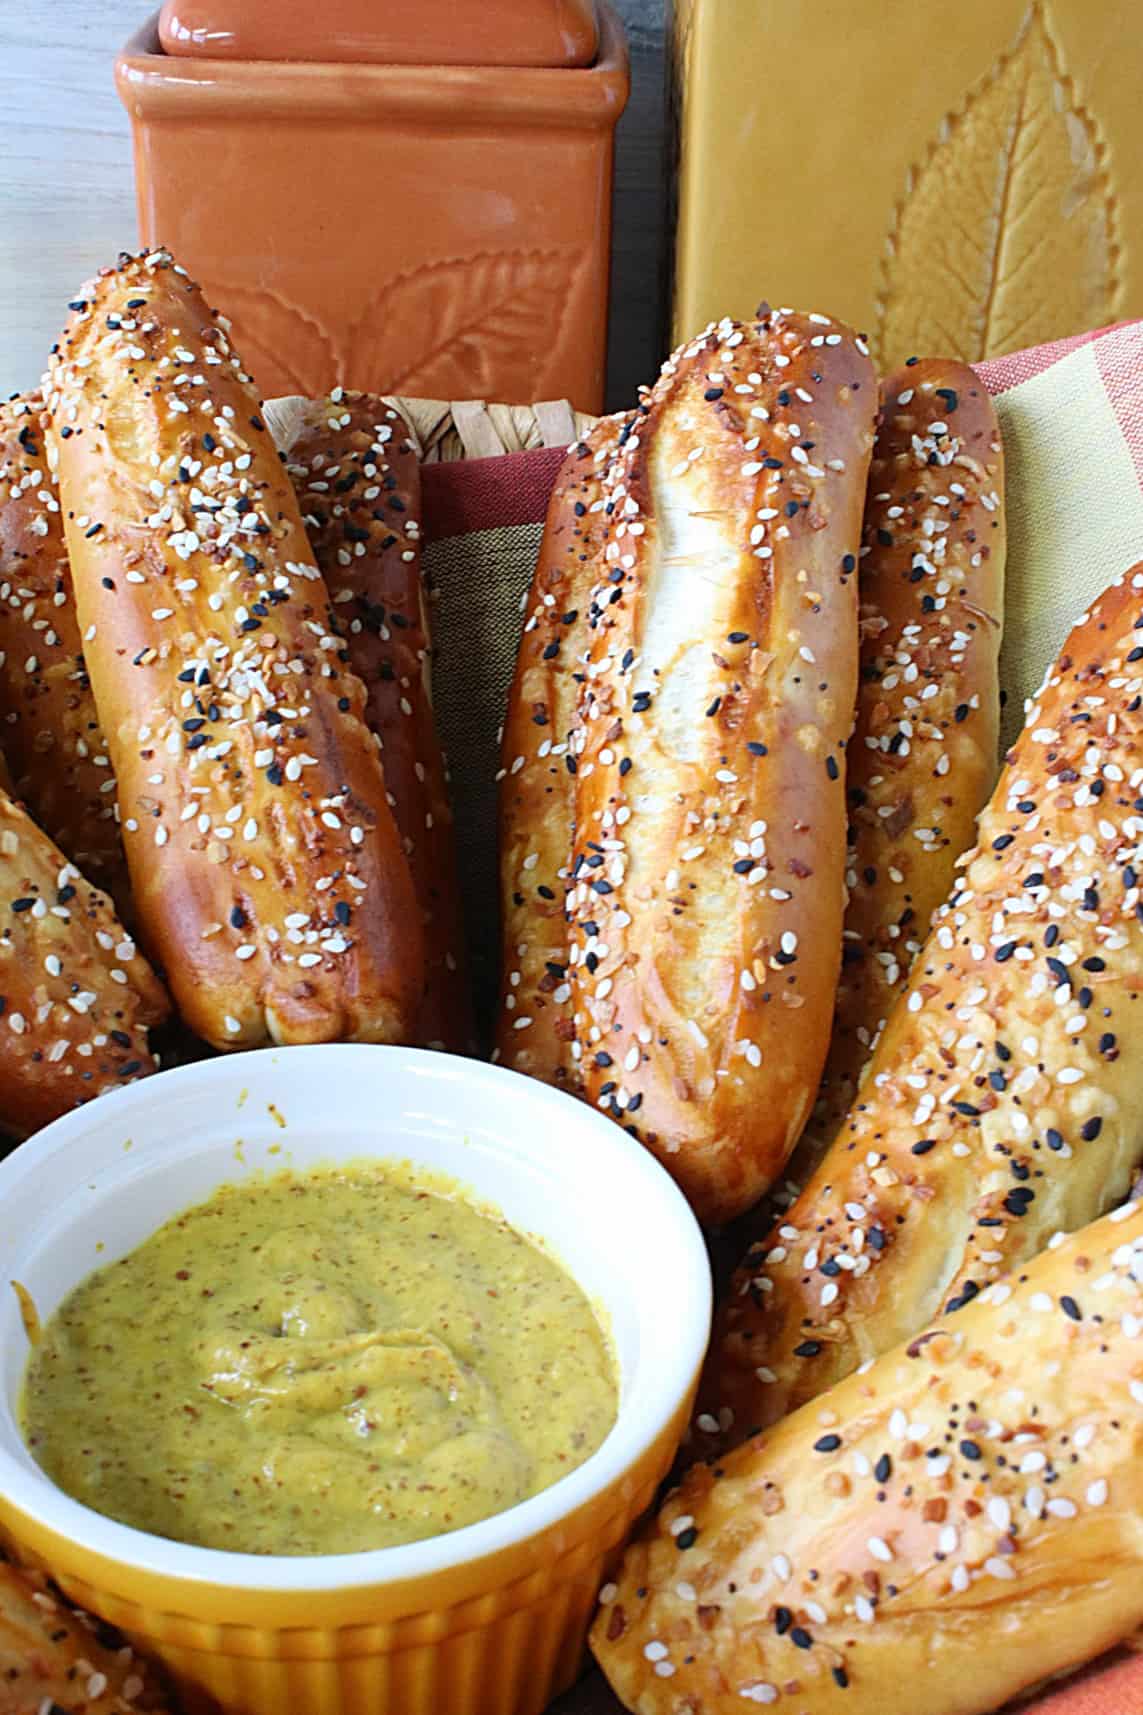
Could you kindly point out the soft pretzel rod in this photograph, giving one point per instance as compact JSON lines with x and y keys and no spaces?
{"x":923,"y":756}
{"x":55,"y":1658}
{"x":266,"y":865}
{"x":76,"y":998}
{"x":707,"y":883}
{"x":534,"y":1031}
{"x":357,"y":477}
{"x":49,"y":726}
{"x":939,"y":1532}
{"x":1004,"y":1101}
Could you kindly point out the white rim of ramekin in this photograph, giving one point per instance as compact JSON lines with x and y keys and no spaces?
{"x":640,"y":1422}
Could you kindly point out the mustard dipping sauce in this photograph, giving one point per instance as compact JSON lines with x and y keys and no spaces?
{"x":319,"y":1363}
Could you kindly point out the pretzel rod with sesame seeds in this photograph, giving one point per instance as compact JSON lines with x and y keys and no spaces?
{"x":53,"y":1657}
{"x":76,"y":998}
{"x":1004,"y":1101}
{"x":266,"y":865}
{"x":48,"y":722}
{"x":937,"y":1533}
{"x":357,"y":477}
{"x":534,"y":1031}
{"x":707,"y":883}
{"x":923,"y":756}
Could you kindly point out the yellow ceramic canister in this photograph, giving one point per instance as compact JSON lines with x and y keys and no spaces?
{"x":961,"y":185}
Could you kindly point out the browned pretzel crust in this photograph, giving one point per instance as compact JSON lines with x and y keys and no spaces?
{"x":76,"y":998}
{"x":265,"y":861}
{"x":940,"y":1533}
{"x":49,"y":727}
{"x":708,"y":877}
{"x":1003,"y":1102}
{"x":534,"y":1031}
{"x":358,"y":481}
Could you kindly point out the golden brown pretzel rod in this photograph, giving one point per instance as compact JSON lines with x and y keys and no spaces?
{"x":357,"y":478}
{"x":534,"y":1030}
{"x":48,"y":722}
{"x":76,"y":998}
{"x":923,"y":756}
{"x":1003,"y":1102}
{"x":55,"y":1658}
{"x":941,"y":1531}
{"x":265,"y":862}
{"x":708,"y":877}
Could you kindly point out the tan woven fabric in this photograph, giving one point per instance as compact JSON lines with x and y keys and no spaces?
{"x":1075,"y":512}
{"x":478,"y":584}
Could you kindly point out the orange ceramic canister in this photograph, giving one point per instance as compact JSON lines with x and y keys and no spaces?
{"x":388,"y":218}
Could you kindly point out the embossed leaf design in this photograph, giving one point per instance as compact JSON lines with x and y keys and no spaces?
{"x":1006,"y":235}
{"x":282,"y":346}
{"x":483,"y":323}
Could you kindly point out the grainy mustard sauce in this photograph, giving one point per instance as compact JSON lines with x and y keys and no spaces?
{"x":319,"y":1363}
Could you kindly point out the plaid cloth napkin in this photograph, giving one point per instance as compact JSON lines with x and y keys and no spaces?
{"x":1072,"y":419}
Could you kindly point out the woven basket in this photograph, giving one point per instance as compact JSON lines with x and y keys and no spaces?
{"x":445,"y":430}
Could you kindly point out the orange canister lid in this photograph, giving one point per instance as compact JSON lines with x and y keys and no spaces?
{"x":556,"y":33}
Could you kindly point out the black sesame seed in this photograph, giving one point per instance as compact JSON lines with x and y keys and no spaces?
{"x":1053,"y":1138}
{"x":686,"y":1538}
{"x":800,"y":1638}
{"x":883,"y":1468}
{"x":755,"y":748}
{"x":238,"y":918}
{"x":19,"y":905}
{"x":971,"y":1450}
{"x":827,"y":1443}
{"x":809,"y":1348}
{"x":831,"y":767}
{"x":924,"y":1146}
{"x":1004,"y":953}
{"x":1070,"y":1308}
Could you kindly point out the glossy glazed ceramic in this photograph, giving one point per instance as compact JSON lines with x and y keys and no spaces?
{"x":394,"y":32}
{"x":438,"y":231}
{"x":487,"y":1621}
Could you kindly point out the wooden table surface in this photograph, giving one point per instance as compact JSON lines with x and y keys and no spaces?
{"x":67,"y":199}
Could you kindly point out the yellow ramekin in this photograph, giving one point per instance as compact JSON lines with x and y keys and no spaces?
{"x":489,"y":1620}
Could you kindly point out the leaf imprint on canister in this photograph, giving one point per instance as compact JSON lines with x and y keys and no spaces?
{"x":494,"y":318}
{"x":1007,"y":233}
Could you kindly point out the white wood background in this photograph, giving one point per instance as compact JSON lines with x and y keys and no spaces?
{"x":67,"y":197}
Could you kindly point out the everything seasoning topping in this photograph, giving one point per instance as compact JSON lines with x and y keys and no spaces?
{"x":535,"y":1026}
{"x":49,"y":728}
{"x":992,"y":1086}
{"x":238,"y":619}
{"x":986,"y":1478}
{"x":75,"y":996}
{"x":747,"y":422}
